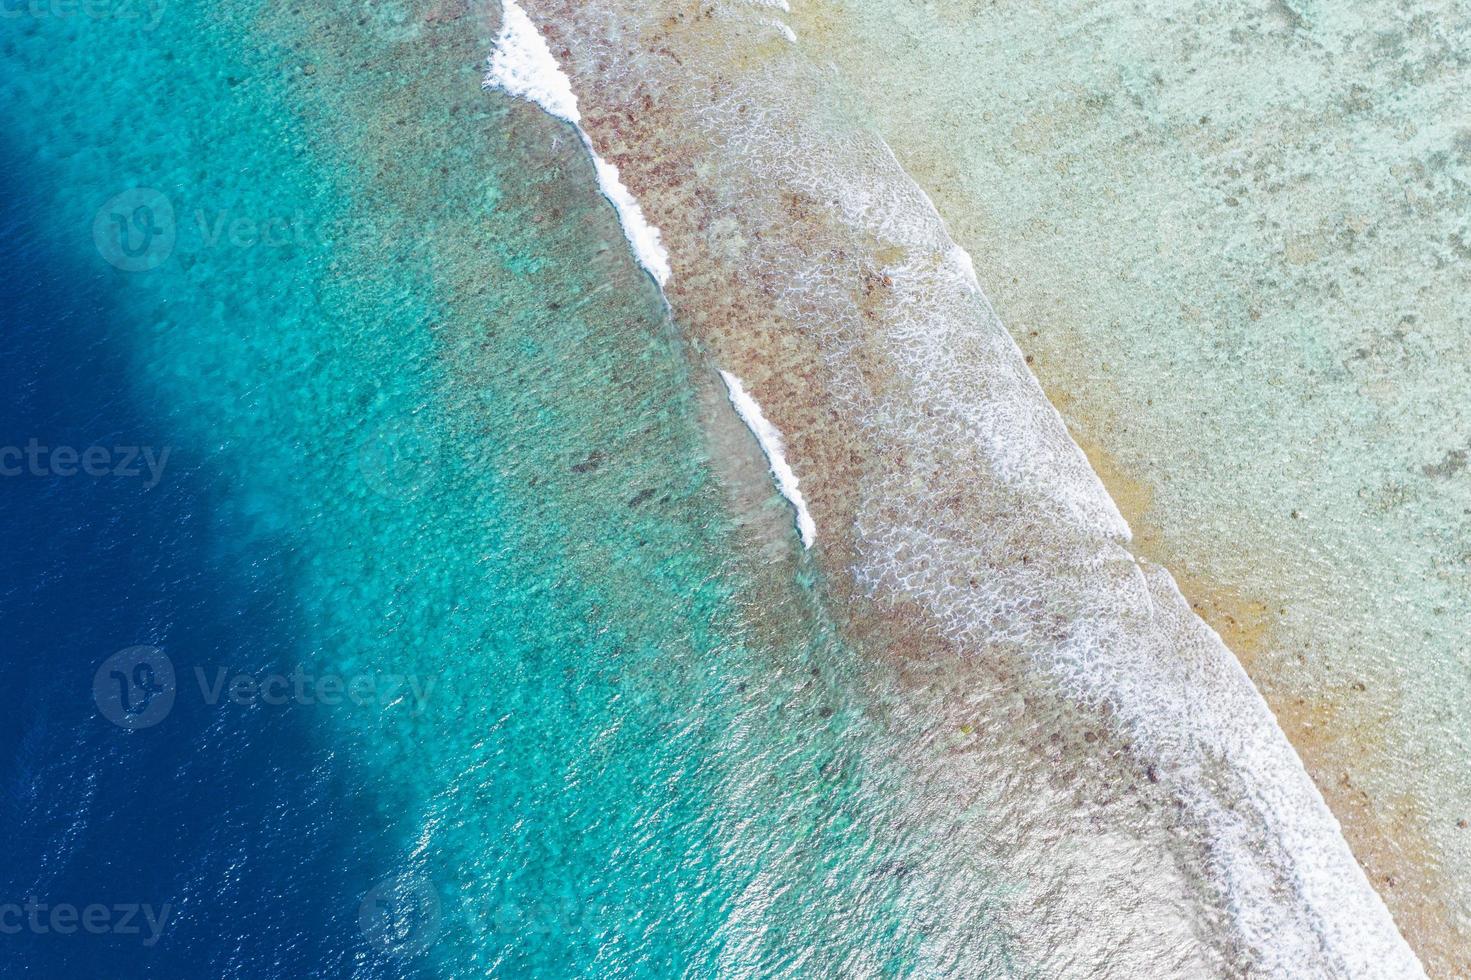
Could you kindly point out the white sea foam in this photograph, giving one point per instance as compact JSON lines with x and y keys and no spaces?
{"x":522,"y":65}
{"x":782,"y":27}
{"x":641,"y":235}
{"x":1082,"y":490}
{"x":770,"y":440}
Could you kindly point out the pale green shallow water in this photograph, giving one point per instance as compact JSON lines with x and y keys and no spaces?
{"x":1233,"y":239}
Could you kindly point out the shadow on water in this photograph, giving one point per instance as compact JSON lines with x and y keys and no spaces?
{"x":239,"y":828}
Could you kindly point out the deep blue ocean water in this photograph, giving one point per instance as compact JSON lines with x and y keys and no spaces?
{"x":228,"y":813}
{"x":471,"y":672}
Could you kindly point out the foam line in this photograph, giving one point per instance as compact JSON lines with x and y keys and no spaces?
{"x":785,"y":31}
{"x":522,"y":65}
{"x":770,"y":440}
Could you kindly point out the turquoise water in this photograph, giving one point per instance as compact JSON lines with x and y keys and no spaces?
{"x":396,"y":333}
